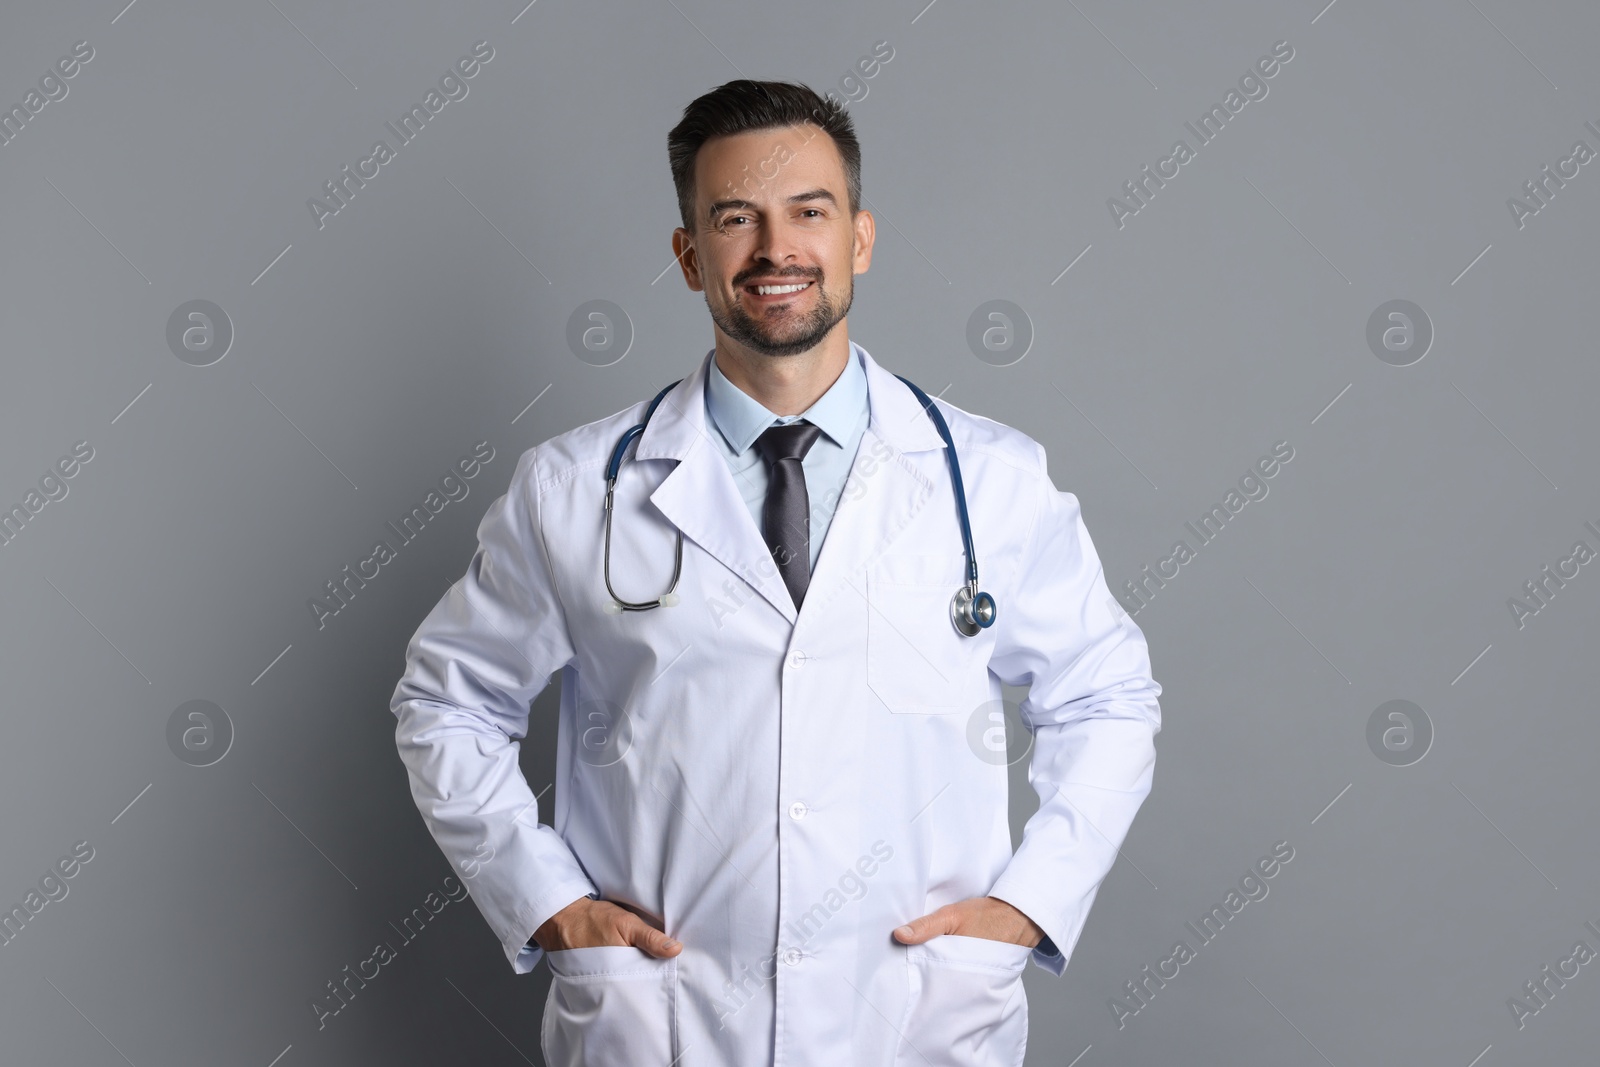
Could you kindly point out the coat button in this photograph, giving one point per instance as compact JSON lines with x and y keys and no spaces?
{"x":797,"y":659}
{"x":792,"y":957}
{"x":797,"y":811}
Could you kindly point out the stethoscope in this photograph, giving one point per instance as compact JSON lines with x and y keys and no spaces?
{"x":971,"y":610}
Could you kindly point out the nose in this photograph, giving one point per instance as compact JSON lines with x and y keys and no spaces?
{"x":775,"y":242}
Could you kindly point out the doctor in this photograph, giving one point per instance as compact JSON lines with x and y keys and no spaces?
{"x":778,"y":832}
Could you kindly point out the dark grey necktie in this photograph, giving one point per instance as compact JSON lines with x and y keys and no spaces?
{"x":786,"y":513}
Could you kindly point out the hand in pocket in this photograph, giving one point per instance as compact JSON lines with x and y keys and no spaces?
{"x":588,"y":923}
{"x":989,"y":918}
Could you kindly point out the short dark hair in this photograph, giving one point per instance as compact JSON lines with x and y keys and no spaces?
{"x":742,"y":105}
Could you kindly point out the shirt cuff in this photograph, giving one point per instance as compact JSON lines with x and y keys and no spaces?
{"x":1045,"y":953}
{"x":522,"y":951}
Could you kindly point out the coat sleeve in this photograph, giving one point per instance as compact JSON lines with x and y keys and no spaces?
{"x":482,"y":654}
{"x":1093,"y":711}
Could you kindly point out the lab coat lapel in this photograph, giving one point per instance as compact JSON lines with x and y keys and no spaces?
{"x":866,"y":525}
{"x":699,"y":496}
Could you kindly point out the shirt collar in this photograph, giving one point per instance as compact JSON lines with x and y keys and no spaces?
{"x":741,"y":418}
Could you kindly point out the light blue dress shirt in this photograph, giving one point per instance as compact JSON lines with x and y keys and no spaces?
{"x":841,"y":415}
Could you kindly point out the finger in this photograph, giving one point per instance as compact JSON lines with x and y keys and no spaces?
{"x":915,"y":932}
{"x":643,"y":936}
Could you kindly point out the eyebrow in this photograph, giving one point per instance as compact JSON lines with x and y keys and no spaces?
{"x":719,"y":206}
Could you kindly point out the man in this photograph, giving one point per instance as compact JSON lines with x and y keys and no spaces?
{"x":779,"y":828}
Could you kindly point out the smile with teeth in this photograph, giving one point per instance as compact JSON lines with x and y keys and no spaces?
{"x":778,"y":290}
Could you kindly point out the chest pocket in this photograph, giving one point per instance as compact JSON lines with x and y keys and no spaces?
{"x":917,"y":663}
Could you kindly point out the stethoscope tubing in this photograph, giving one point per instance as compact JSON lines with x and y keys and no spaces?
{"x":970,"y":610}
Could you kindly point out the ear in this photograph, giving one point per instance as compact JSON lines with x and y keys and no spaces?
{"x":865,"y":233}
{"x":683,"y":250}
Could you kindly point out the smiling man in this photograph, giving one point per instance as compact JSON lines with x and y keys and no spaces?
{"x":779,"y":826}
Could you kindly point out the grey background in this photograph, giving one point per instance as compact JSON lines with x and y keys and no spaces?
{"x":1227,"y":315}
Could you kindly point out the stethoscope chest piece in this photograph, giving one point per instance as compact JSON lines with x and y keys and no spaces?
{"x":971,"y":610}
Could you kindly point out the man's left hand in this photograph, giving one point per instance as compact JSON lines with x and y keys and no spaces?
{"x":988,"y":917}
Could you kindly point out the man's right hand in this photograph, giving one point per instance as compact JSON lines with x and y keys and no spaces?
{"x":589,"y":923}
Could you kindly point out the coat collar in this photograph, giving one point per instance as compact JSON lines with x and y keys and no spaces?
{"x":700,"y":498}
{"x":742,"y":418}
{"x":679,"y":425}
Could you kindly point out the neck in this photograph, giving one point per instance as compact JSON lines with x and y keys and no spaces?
{"x":785,"y":385}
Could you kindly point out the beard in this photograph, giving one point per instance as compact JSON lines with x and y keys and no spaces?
{"x":783,"y":332}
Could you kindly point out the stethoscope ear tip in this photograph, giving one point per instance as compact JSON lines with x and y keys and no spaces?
{"x":666,"y":600}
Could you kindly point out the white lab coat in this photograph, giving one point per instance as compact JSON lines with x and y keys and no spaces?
{"x":781,"y":791}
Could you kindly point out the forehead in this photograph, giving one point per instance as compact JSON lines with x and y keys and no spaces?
{"x":764,"y":164}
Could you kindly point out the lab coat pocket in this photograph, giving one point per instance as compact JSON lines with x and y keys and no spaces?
{"x":610,"y":1004}
{"x":917,"y":663}
{"x":967,"y":1007}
